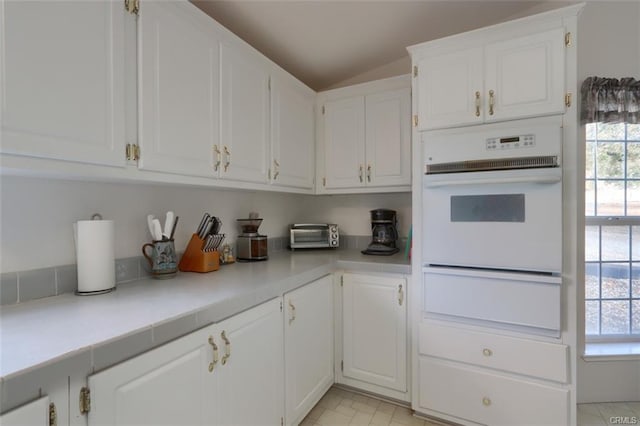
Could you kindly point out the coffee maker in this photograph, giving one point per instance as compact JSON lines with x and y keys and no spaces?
{"x":384,"y":233}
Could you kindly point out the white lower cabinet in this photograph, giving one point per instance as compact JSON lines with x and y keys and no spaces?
{"x":489,"y":398}
{"x":472,"y":376}
{"x":207,"y":377}
{"x":308,"y":343}
{"x":374,"y":333}
{"x":250,"y":372}
{"x":170,"y":385}
{"x":34,"y":413}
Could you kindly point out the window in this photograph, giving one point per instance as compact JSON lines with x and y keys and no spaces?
{"x":612,"y":234}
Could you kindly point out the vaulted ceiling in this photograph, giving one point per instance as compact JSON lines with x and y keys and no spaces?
{"x":324,"y":43}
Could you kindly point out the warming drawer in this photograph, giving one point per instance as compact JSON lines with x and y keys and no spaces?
{"x":507,"y":298}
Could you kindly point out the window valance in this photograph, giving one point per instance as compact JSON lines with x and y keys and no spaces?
{"x":609,"y":100}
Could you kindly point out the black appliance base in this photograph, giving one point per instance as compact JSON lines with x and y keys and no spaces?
{"x":388,"y":251}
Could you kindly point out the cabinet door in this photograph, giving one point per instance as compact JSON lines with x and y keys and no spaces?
{"x":170,"y":385}
{"x":245,"y":115}
{"x":308,"y":339}
{"x":526,"y":75}
{"x":388,"y":138}
{"x":62,"y":80}
{"x":450,"y":89}
{"x":292,"y":134}
{"x":32,"y":414}
{"x":179,"y":78}
{"x":344,"y":133}
{"x":251,"y":372}
{"x":375,"y":330}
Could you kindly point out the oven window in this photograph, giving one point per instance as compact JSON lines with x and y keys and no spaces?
{"x":487,"y":208}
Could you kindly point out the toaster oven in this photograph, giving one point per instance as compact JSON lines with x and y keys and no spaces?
{"x":313,"y":235}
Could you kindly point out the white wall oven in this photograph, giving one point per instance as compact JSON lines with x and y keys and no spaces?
{"x":492,"y":222}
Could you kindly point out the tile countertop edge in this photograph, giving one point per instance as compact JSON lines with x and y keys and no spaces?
{"x":196,"y":300}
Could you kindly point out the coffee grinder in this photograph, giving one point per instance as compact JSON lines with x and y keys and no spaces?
{"x":384,"y":233}
{"x":250,"y":245}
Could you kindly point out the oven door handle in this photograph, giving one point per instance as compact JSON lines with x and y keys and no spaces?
{"x":460,"y":181}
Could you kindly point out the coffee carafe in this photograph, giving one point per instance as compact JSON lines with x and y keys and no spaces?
{"x":384,"y":233}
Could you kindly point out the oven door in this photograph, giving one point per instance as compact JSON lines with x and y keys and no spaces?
{"x":509,"y":219}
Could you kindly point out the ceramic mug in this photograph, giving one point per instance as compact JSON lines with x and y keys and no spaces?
{"x":162,"y":258}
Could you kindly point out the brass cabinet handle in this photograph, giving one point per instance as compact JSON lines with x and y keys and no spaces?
{"x":292,"y":312}
{"x":227,"y":163}
{"x":368,"y":172}
{"x":216,"y":166}
{"x":487,"y":352}
{"x":213,"y":363}
{"x":53,"y":415}
{"x":486,"y":401}
{"x":477,"y":104}
{"x":360,"y":173}
{"x":491,"y":101}
{"x":276,"y":169}
{"x":400,"y":295}
{"x":227,"y":348}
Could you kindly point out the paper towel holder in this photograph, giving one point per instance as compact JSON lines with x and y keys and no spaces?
{"x":86,"y":286}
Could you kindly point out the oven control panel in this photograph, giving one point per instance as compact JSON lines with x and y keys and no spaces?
{"x":511,"y":142}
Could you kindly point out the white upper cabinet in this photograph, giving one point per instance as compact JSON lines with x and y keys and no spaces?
{"x":179,"y":79}
{"x":526,"y":76}
{"x":62,"y":80}
{"x":388,"y":138}
{"x":450,"y":88}
{"x":34,"y":413}
{"x":292,"y":133}
{"x":344,"y":143}
{"x":245,"y":115}
{"x":365,"y":138}
{"x":484,"y":77}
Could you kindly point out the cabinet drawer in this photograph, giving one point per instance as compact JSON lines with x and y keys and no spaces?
{"x":512,"y":299}
{"x":489,"y":398}
{"x":522,"y":356}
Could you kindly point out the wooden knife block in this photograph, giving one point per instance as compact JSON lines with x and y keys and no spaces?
{"x":196,"y":260}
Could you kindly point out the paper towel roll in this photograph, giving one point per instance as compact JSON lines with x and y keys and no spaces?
{"x":95,"y":254}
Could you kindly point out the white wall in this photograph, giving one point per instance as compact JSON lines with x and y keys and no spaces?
{"x":609,"y":46}
{"x":36,"y":215}
{"x":351,"y":212}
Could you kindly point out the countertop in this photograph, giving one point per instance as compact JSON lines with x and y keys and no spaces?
{"x":42,"y":332}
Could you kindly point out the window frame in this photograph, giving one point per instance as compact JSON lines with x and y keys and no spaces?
{"x":605,"y":221}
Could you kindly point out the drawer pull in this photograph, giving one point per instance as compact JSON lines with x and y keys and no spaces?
{"x":486,"y":401}
{"x":487,"y":352}
{"x":227,"y":348}
{"x":292,"y":312}
{"x":213,"y":363}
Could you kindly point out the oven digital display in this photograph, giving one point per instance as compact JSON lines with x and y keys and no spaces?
{"x":509,"y":140}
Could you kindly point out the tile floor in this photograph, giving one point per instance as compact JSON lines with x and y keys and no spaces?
{"x":342,"y":407}
{"x":609,"y":414}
